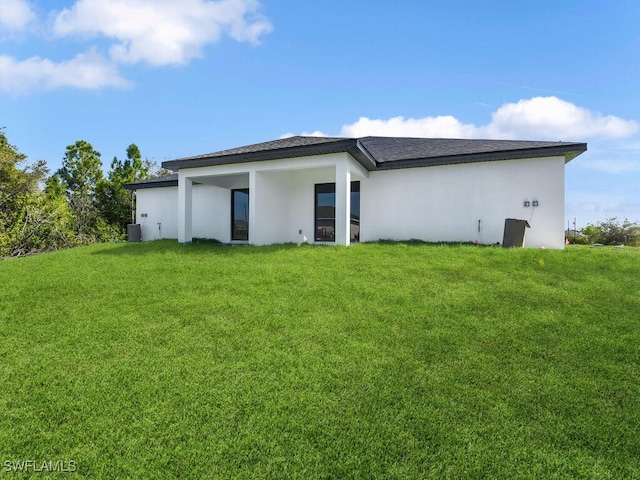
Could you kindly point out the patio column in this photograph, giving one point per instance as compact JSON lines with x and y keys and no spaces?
{"x":253,"y":223}
{"x":185,"y":202}
{"x":343,"y":204}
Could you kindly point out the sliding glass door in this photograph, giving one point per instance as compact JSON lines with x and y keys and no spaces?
{"x":325,"y":212}
{"x":240,"y":214}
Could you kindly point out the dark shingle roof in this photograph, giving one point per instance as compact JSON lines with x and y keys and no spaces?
{"x":374,"y":153}
{"x":383,"y":153}
{"x":273,"y":145}
{"x":284,"y":148}
{"x":391,"y":153}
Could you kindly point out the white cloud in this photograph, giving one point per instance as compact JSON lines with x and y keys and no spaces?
{"x":86,"y":70}
{"x":551,"y":117}
{"x":316,"y":133}
{"x":441,"y":126}
{"x":159,"y":32}
{"x":15,"y":15}
{"x":544,"y":118}
{"x":162,"y":32}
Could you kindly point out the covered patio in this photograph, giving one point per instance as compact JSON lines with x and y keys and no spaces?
{"x":276,"y":201}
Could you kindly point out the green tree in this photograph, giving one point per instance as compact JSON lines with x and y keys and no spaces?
{"x":14,"y":181}
{"x":55,"y":186}
{"x":30,"y":220}
{"x":115,"y":202}
{"x":81,"y":168}
{"x":80,"y":173}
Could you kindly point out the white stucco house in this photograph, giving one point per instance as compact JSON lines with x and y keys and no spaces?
{"x":343,"y":190}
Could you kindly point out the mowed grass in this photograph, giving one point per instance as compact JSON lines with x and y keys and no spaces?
{"x":160,"y":360}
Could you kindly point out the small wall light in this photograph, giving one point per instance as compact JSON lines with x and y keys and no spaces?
{"x":535,"y":203}
{"x":526,"y":203}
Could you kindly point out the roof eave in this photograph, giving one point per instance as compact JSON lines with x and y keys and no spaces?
{"x":570,"y":155}
{"x":569,"y":152}
{"x":141,"y":185}
{"x":345,"y":145}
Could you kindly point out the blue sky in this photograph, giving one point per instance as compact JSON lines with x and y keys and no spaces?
{"x":196,"y":76}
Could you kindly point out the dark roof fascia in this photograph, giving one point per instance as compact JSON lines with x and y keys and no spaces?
{"x":138,"y":186}
{"x":569,"y":152}
{"x":164,"y":181}
{"x":348,"y":145}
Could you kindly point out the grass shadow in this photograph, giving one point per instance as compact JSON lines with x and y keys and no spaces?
{"x":200,"y":246}
{"x":413,"y":242}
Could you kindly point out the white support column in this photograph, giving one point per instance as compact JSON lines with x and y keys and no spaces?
{"x":185,"y":202}
{"x":252,"y":208}
{"x":343,"y":203}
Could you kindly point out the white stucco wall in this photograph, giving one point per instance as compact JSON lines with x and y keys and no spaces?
{"x":272,"y":217}
{"x":211,"y":212}
{"x":445,"y":203}
{"x":160,"y":205}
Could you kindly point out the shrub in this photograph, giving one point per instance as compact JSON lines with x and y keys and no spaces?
{"x":612,"y":232}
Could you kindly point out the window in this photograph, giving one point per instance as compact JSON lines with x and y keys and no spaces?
{"x":240,"y":214}
{"x":325,"y":212}
{"x":354,"y":235}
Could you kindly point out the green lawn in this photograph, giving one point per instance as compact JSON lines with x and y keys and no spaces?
{"x":160,"y":360}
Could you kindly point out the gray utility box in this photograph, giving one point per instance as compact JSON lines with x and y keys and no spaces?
{"x":514,"y":232}
{"x":133,"y":232}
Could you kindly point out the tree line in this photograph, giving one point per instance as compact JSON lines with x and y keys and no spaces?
{"x":75,"y":205}
{"x":610,"y":231}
